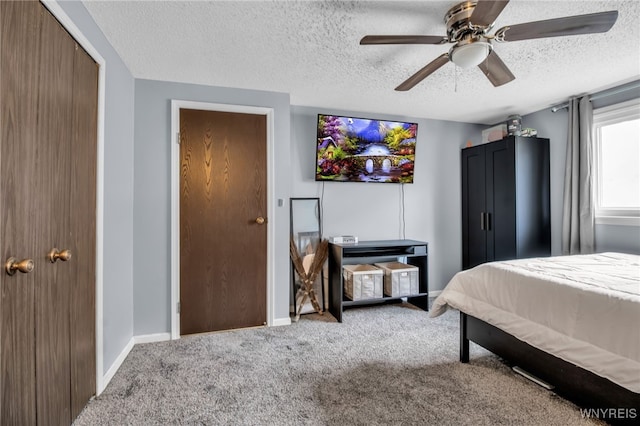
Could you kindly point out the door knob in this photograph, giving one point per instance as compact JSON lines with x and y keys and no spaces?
{"x":260,"y":220}
{"x":63,"y":255}
{"x":12,"y":265}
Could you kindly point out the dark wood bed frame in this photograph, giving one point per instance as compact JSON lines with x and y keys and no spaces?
{"x":571,"y":382}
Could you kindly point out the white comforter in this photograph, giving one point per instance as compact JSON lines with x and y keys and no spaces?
{"x":584,"y":309}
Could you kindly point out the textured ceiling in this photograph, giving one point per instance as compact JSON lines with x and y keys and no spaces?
{"x":310,"y":50}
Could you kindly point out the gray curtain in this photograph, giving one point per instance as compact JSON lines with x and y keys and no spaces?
{"x":578,"y":223}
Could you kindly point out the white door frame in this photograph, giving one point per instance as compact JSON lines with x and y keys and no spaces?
{"x":176,"y":105}
{"x":57,"y":11}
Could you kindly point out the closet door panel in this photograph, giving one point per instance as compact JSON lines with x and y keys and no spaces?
{"x":82,"y":231}
{"x":53,"y":144}
{"x":19,"y":64}
{"x":501,"y":201}
{"x":48,"y":133}
{"x":473,"y":207}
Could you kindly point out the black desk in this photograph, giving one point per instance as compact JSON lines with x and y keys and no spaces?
{"x":414,"y":253}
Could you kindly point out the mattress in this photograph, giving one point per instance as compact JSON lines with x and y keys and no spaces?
{"x":584,"y":309}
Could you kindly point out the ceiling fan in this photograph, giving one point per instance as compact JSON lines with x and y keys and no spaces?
{"x":468,"y":24}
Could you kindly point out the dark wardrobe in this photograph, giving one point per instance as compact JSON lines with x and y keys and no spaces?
{"x":505,"y":200}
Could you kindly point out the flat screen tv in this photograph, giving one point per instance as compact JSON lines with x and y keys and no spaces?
{"x":351,"y":149}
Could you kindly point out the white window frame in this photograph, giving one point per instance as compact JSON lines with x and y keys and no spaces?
{"x":624,"y":111}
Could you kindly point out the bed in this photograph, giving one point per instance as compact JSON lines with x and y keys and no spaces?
{"x":571,"y":321}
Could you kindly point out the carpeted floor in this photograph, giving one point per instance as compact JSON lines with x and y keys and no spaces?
{"x":384,"y":365}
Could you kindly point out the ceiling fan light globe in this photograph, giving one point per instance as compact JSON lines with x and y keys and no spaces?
{"x":471,"y":54}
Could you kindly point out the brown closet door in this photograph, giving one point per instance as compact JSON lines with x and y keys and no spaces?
{"x":223,"y":249}
{"x":47,"y":200}
{"x":19,"y":198}
{"x":82,"y":241}
{"x":53,"y":280}
{"x":65,"y":297}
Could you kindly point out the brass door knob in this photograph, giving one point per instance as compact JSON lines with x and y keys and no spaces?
{"x":260,"y":220}
{"x":12,"y":266}
{"x":63,"y":255}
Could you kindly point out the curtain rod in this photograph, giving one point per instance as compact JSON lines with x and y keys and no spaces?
{"x":602,"y":94}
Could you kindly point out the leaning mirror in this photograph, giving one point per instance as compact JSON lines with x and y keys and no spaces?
{"x":306,"y":234}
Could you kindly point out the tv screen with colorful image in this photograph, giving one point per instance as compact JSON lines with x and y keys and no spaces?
{"x":351,"y":149}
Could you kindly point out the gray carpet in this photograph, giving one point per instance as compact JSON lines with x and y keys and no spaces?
{"x":384,"y":365}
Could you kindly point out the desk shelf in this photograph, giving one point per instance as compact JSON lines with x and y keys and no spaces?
{"x":368,"y":252}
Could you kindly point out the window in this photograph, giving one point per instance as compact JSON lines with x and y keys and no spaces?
{"x":617,"y":163}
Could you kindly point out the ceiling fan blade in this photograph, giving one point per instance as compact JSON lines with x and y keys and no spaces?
{"x":424,"y":72}
{"x":486,"y":12}
{"x":571,"y":25}
{"x":495,"y":70}
{"x":402,"y":39}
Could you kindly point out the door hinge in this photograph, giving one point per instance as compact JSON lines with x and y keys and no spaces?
{"x":178,"y":307}
{"x":178,"y":138}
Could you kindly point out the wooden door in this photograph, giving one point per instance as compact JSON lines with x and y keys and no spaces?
{"x":53,"y":137}
{"x":47,"y":200}
{"x":81,"y":237}
{"x":223,"y":248}
{"x":19,"y":195}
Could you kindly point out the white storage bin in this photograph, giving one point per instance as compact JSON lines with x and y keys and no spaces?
{"x":362,"y":282}
{"x":400,"y":279}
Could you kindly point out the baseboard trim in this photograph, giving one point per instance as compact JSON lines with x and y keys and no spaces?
{"x":115,"y":366}
{"x":281,"y":321}
{"x":435,"y":293}
{"x":150,"y":338}
{"x":144,"y":338}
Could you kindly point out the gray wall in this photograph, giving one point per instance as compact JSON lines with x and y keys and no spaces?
{"x":554,"y":126}
{"x":152,"y":189}
{"x":117,"y":301}
{"x":372,"y":211}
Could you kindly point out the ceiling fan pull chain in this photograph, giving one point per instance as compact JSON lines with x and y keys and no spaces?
{"x":455,"y":78}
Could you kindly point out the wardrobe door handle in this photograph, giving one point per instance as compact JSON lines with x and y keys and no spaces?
{"x":482,"y":221}
{"x":12,"y":266}
{"x":63,"y":255}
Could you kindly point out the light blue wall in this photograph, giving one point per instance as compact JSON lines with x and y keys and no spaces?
{"x":372,"y":211}
{"x":117,"y":301}
{"x":554,"y":126}
{"x":152,"y":189}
